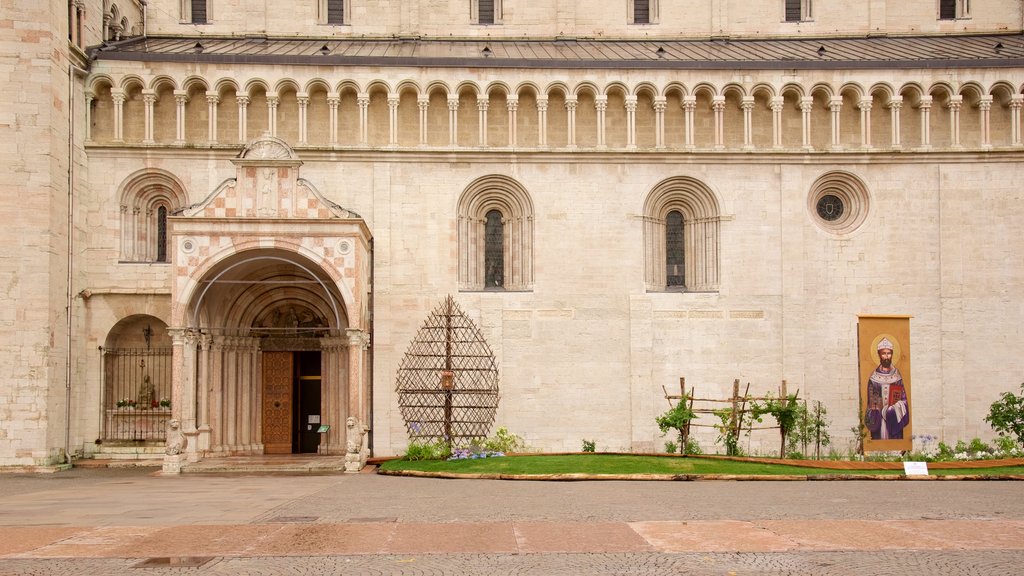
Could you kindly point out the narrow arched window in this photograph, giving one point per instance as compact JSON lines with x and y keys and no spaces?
{"x":494,"y":251}
{"x":674,"y":271}
{"x":161,"y":234}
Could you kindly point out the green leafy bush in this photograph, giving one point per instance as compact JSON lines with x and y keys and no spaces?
{"x":786,"y":412}
{"x":677,"y":418}
{"x":438,"y":450}
{"x":589,"y":446}
{"x":1006,"y":415}
{"x":671,"y":447}
{"x":505,"y":442}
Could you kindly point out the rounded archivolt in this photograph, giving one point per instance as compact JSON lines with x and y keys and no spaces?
{"x":838,"y":202}
{"x":448,"y":380}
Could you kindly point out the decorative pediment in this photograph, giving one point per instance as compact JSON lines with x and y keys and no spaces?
{"x":267,"y":147}
{"x":267,"y":185}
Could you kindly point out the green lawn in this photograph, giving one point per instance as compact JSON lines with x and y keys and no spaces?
{"x":628,"y":464}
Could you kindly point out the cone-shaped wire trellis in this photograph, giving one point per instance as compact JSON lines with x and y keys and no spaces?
{"x":448,"y":380}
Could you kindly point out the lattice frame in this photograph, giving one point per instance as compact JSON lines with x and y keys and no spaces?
{"x":448,"y":349}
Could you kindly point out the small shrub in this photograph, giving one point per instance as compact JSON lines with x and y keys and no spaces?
{"x":692,"y":447}
{"x":795,"y":455}
{"x":671,"y":447}
{"x":589,"y":445}
{"x":677,"y":418}
{"x":978,"y":447}
{"x":1006,"y":415}
{"x":505,"y":442}
{"x":437,"y":450}
{"x":945,"y":451}
{"x":1007,"y":446}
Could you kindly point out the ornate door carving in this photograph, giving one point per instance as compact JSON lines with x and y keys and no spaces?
{"x":277,"y":402}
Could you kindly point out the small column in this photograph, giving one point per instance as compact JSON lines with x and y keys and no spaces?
{"x":926,"y":129}
{"x":181,"y":439}
{"x":806,"y":105}
{"x":393,"y":101}
{"x":117,"y":96}
{"x":689,"y":107}
{"x":138,"y":249}
{"x":718,"y":105}
{"x":512,"y":105}
{"x":660,"y":104}
{"x":212,"y":100}
{"x":542,"y":121}
{"x":631,"y":122}
{"x":180,"y":99}
{"x":302,"y":99}
{"x":835,"y":106}
{"x":601,"y":104}
{"x":364,"y":110}
{"x":333,"y":101}
{"x":272,"y":101}
{"x":985,"y":107}
{"x":1016,"y":103}
{"x":482,"y":105}
{"x":89,"y":98}
{"x":148,"y":100}
{"x":748,"y":122}
{"x":453,"y":121}
{"x":777,"y":104}
{"x":423,"y":103}
{"x":865,"y":122}
{"x":203,"y":400}
{"x":895,"y":106}
{"x":955,"y":103}
{"x":243,"y":115}
{"x":570,"y":110}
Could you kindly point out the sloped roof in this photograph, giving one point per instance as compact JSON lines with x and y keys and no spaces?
{"x":804,"y":53}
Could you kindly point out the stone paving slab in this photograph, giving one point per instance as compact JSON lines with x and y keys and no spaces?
{"x":451,"y":538}
{"x":579,"y":537}
{"x":763,"y":536}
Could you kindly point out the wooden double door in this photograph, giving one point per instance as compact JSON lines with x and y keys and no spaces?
{"x":291,"y":402}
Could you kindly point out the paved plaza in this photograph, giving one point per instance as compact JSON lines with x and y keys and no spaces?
{"x":133,"y":521}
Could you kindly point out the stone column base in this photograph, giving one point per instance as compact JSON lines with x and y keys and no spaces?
{"x":172,"y":464}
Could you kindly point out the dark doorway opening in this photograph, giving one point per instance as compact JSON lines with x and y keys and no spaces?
{"x":306,"y":403}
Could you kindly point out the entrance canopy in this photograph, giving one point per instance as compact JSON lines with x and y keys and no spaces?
{"x":270,"y":294}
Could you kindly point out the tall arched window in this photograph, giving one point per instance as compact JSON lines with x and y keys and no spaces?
{"x":675,"y":272}
{"x":147,"y":199}
{"x":681,"y":237}
{"x":494,"y":251}
{"x":495,"y":235}
{"x":161,"y":233}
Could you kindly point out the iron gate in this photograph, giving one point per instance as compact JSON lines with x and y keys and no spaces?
{"x":137,"y":393}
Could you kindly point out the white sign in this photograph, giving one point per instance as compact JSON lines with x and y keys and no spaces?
{"x":915,"y":468}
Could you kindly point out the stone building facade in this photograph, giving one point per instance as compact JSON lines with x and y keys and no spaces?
{"x":238,"y":207}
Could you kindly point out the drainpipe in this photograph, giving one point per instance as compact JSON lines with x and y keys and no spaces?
{"x":72,"y":69}
{"x":143,"y":2}
{"x":373,"y":288}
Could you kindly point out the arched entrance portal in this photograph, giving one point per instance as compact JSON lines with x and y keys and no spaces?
{"x":269,"y":317}
{"x":273,"y":337}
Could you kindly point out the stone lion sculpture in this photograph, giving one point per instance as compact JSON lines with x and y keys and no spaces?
{"x":176,"y":441}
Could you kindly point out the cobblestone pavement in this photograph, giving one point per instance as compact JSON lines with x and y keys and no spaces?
{"x":732,"y":564}
{"x":131,"y":521}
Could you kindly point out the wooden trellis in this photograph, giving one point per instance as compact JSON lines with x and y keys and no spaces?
{"x":739,"y":406}
{"x":447,"y":383}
